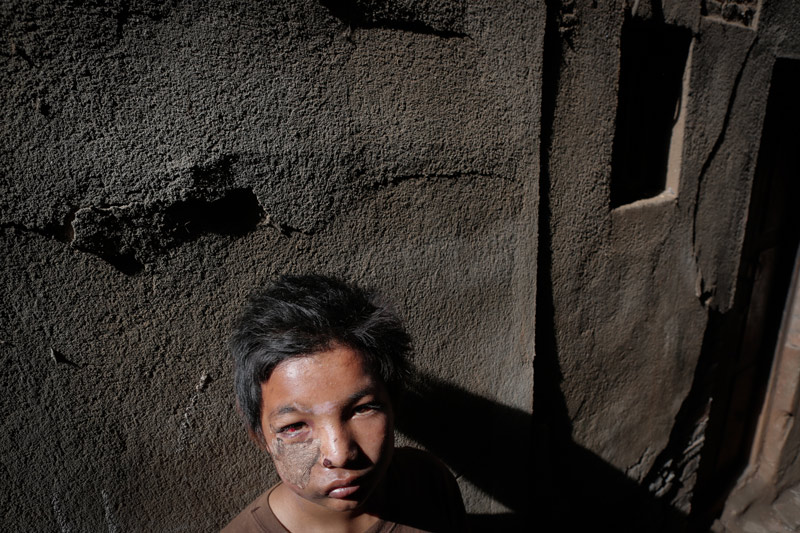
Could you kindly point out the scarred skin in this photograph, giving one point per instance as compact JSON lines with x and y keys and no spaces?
{"x":294,"y":461}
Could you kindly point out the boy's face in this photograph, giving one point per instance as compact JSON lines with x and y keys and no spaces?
{"x":328,"y":424}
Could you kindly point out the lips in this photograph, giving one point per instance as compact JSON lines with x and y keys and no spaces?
{"x":342,"y":493}
{"x":344,"y":488}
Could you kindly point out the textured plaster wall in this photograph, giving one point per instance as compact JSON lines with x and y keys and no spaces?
{"x":159,"y":160}
{"x":632,"y":286}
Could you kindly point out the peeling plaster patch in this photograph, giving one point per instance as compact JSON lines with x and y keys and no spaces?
{"x":676,"y":477}
{"x":188,"y":412}
{"x":60,"y":231}
{"x":739,"y":12}
{"x":111,"y":523}
{"x":444,"y":18}
{"x":59,"y":358}
{"x":636,"y":470}
{"x":63,"y":523}
{"x":663,"y":483}
{"x":567,"y":19}
{"x":130,"y":235}
{"x":204,"y":380}
{"x":202,"y":199}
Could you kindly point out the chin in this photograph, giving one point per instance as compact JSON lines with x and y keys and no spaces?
{"x":353,"y":502}
{"x":343,"y":505}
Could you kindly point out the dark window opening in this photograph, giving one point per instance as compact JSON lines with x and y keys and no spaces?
{"x":654,"y":58}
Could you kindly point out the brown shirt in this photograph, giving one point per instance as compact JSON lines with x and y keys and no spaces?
{"x":422,"y":493}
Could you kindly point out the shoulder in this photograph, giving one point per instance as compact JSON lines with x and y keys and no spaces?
{"x":256,"y":518}
{"x":423,"y":493}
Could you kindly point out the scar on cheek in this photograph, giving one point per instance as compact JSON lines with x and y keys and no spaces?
{"x":294,"y":461}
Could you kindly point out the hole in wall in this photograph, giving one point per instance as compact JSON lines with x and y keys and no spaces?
{"x":130,"y":236}
{"x":650,"y":110}
{"x":236,"y":214}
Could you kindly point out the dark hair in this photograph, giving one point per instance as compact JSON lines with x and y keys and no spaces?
{"x":300,"y":315}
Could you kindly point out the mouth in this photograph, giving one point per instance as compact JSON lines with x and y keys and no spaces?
{"x":343,"y":489}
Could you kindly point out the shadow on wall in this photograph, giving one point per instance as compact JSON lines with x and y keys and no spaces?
{"x":487,"y":443}
{"x":576,"y":490}
{"x":533,"y":468}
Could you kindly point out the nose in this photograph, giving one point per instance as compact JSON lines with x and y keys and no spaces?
{"x":338,"y":448}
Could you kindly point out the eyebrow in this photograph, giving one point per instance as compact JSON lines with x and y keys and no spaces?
{"x":294,"y":408}
{"x":366,"y":391}
{"x":285,"y":409}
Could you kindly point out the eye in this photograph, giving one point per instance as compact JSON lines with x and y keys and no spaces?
{"x":291,"y":430}
{"x":366,"y":408}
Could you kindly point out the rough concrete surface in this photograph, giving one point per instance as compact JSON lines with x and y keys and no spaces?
{"x":160,"y":160}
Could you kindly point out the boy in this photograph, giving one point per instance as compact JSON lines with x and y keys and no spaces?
{"x":318,"y":366}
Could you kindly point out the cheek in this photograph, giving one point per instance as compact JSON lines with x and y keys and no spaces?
{"x":295,"y":461}
{"x":376,"y":437}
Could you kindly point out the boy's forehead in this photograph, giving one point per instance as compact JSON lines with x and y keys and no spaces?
{"x":309,"y":363}
{"x":328,"y":377}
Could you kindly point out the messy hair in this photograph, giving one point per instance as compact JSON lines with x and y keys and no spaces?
{"x":298,"y":316}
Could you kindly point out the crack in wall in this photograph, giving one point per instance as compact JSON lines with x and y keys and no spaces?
{"x":389,"y":181}
{"x":59,"y":358}
{"x":706,"y":294}
{"x":567,"y":20}
{"x":61,"y":232}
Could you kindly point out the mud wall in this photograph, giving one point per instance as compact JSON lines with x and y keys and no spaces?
{"x":160,"y":160}
{"x":501,"y":172}
{"x":640,"y":251}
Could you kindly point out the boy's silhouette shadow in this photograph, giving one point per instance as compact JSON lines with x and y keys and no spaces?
{"x":531,"y":466}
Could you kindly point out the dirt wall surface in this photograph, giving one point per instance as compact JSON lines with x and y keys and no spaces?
{"x":159,"y":160}
{"x":633,"y":282}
